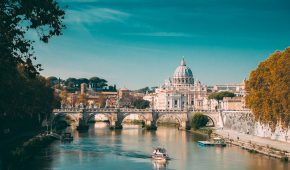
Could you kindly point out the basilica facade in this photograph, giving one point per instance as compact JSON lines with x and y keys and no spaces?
{"x":181,"y":92}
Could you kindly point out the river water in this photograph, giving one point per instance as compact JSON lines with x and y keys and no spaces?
{"x":130,"y":148}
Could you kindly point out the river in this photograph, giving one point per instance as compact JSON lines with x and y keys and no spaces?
{"x":130,"y":148}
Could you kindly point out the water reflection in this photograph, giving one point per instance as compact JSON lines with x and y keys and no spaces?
{"x":160,"y":164}
{"x":131,"y":148}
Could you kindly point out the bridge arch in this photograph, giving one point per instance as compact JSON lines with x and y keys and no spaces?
{"x":91,"y":115}
{"x":172,"y":116}
{"x":140,"y":117}
{"x":212,"y":120}
{"x":64,"y":115}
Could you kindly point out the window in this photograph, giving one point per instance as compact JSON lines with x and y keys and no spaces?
{"x":175,"y":102}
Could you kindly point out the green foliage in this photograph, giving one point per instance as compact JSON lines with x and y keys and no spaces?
{"x":52,"y":80}
{"x":17,"y":17}
{"x":285,"y":159}
{"x":25,"y":97}
{"x":268,"y":90}
{"x":97,"y":84}
{"x":145,"y":90}
{"x":199,"y":120}
{"x":141,"y":104}
{"x":220,"y":95}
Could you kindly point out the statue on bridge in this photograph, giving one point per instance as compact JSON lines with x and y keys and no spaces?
{"x":107,"y":103}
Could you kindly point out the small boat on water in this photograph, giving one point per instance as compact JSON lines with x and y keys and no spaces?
{"x":67,"y":137}
{"x":216,"y":142}
{"x":160,"y":154}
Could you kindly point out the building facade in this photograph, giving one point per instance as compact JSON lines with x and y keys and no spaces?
{"x":181,"y":92}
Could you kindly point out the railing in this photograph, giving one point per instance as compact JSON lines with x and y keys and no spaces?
{"x":131,"y":110}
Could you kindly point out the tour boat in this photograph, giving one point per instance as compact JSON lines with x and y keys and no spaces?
{"x":160,"y":154}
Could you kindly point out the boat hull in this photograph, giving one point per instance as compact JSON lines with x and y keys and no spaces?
{"x":160,"y":158}
{"x":206,"y":143}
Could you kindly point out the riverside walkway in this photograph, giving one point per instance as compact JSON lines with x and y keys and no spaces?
{"x":283,"y":146}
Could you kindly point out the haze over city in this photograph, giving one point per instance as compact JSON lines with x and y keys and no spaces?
{"x":221,"y":41}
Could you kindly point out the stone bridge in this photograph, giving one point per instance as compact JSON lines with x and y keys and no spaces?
{"x":149,"y":116}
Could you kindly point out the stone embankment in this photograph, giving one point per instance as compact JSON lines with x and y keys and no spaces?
{"x":256,"y":144}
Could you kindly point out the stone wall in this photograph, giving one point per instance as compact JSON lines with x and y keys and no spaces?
{"x":243,"y":122}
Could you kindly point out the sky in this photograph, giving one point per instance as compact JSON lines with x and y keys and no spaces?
{"x":139,"y":43}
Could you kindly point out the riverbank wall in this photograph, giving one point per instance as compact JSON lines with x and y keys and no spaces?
{"x":243,"y":122}
{"x":254,"y":144}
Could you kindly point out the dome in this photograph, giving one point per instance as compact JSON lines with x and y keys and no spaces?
{"x":182,"y":75}
{"x":182,"y":71}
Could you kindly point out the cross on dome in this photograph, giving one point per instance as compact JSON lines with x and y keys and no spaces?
{"x":182,"y":62}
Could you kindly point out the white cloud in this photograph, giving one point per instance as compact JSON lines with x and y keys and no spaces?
{"x":93,"y":15}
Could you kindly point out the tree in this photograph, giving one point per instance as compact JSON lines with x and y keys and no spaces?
{"x":82,"y":80}
{"x":112,"y":88}
{"x":98,"y":83}
{"x":17,"y":17}
{"x":144,"y":90}
{"x":141,"y":104}
{"x":52,"y":80}
{"x":71,"y":84}
{"x":25,"y":97}
{"x":268,"y":90}
{"x":199,"y":120}
{"x":220,"y":95}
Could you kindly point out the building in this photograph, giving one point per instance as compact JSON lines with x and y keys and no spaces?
{"x":181,"y":92}
{"x":102,"y":99}
{"x":233,"y":103}
{"x":123,"y":93}
{"x":237,"y":89}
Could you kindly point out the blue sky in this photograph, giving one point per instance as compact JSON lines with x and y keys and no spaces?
{"x":138,"y":43}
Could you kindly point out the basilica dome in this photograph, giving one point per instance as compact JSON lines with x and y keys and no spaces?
{"x":182,"y":74}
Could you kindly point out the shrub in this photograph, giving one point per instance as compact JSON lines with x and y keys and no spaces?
{"x":199,"y":120}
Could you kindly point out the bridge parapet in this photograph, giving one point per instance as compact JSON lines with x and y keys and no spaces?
{"x":102,"y":110}
{"x":67,"y":110}
{"x":135,"y":110}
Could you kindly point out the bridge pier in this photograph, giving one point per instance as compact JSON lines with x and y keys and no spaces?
{"x":115,"y":121}
{"x":184,"y":125}
{"x":150,"y":125}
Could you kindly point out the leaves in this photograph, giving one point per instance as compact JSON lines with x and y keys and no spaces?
{"x":17,"y":17}
{"x":220,"y":95}
{"x":141,"y":104}
{"x":199,"y":120}
{"x":24,"y":95}
{"x":268,"y":90}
